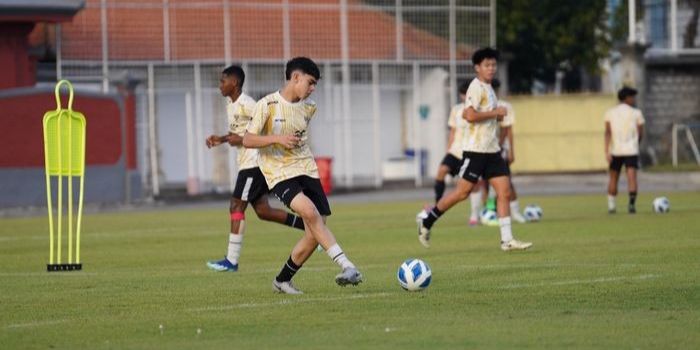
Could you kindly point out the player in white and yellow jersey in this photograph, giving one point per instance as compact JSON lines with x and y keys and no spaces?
{"x":280,"y":130}
{"x":250,"y":184}
{"x":481,"y":157}
{"x":453,"y":159}
{"x":624,"y":126}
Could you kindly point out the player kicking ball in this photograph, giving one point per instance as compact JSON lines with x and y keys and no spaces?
{"x":250,"y":184}
{"x":481,"y":157}
{"x":279,"y":129}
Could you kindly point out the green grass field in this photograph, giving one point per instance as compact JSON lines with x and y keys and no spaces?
{"x":591,"y":281}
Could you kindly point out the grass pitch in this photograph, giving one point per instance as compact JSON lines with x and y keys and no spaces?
{"x":591,"y":281}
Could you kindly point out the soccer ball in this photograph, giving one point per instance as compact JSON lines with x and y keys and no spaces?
{"x":488,"y":217}
{"x":414,"y":275}
{"x":661,"y":205}
{"x":533,"y":213}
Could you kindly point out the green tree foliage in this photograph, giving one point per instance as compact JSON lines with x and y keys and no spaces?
{"x":540,"y":37}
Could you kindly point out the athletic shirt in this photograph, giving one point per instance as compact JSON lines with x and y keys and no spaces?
{"x":240,"y":114}
{"x":481,"y":137}
{"x":276,"y":116}
{"x":624,"y":120}
{"x":457,"y":122}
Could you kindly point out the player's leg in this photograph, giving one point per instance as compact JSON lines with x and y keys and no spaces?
{"x":237,"y":218}
{"x":300,"y":253}
{"x":631,"y":169}
{"x":613,"y":178}
{"x":266,"y":212}
{"x":439,"y":187}
{"x":475,"y":201}
{"x":501,"y":185}
{"x":514,"y":205}
{"x":460,"y":193}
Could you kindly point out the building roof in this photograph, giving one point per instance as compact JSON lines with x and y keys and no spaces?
{"x":256,"y":33}
{"x":39,"y":10}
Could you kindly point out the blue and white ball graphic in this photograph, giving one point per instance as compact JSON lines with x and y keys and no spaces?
{"x":414,"y":275}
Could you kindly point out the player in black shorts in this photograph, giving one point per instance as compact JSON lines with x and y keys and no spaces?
{"x":453,"y":158}
{"x":250,"y":184}
{"x":481,"y":157}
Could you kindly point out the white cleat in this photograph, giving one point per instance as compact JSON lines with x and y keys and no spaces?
{"x":423,"y":234}
{"x":285,"y":287}
{"x":514,"y":244}
{"x":518,"y":217}
{"x":421,"y":215}
{"x":348,"y":276}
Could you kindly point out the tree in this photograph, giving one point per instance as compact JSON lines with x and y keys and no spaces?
{"x":541,"y":37}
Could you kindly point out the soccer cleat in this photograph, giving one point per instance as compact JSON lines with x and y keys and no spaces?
{"x":514,"y":244}
{"x":285,"y":287}
{"x":473,"y":222}
{"x":349,"y":275}
{"x":421,"y":215}
{"x":631,"y":209}
{"x":423,"y":234}
{"x":612,"y":211}
{"x":518,"y":217}
{"x":222,"y":266}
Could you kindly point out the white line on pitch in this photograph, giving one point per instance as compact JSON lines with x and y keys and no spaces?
{"x":35,"y":324}
{"x":589,"y":281}
{"x":287,"y":302}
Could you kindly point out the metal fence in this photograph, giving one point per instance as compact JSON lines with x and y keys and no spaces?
{"x":390,"y":70}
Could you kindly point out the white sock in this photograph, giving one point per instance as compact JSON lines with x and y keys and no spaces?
{"x":339,"y":257}
{"x":506,"y":233}
{"x":475,"y":199}
{"x":515,"y":206}
{"x":611,"y":202}
{"x":235,"y":242}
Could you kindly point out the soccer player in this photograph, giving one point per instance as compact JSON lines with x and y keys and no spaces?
{"x":250,"y":184}
{"x":481,"y":157}
{"x":453,"y":159}
{"x":624,"y":126}
{"x":279,"y":129}
{"x":505,"y":139}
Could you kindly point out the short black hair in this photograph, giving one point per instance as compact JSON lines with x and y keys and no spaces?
{"x":303,"y":64}
{"x":484,"y":53}
{"x":495,"y":84}
{"x":625,"y":92}
{"x":236,"y":72}
{"x":463,"y":87}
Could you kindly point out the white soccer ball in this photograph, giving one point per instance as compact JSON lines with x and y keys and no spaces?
{"x":488,"y":216}
{"x":661,"y":205}
{"x":414,"y":275}
{"x":533,"y":213}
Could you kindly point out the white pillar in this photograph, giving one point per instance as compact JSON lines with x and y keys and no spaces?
{"x":198,"y":119}
{"x":227,"y":33}
{"x":59,"y":71}
{"x":345,"y":69}
{"x":673,"y":22}
{"x":376,"y":126}
{"x":152,"y":132}
{"x":418,"y":144}
{"x":105,"y":46}
{"x":166,"y":31}
{"x":453,"y":52}
{"x":399,"y":30}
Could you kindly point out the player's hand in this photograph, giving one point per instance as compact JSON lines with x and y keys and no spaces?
{"x":288,"y":141}
{"x":608,"y":157}
{"x":213,"y":141}
{"x":500,"y":113}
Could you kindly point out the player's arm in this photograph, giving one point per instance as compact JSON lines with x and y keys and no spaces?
{"x":259,"y":141}
{"x":472,"y":116}
{"x":451,"y":138}
{"x":234,"y":139}
{"x":511,"y":149}
{"x":608,"y":138}
{"x":215,"y":140}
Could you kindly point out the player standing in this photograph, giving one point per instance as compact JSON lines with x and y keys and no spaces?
{"x":624,"y":126}
{"x":250,"y":184}
{"x":481,"y":157}
{"x":279,"y":128}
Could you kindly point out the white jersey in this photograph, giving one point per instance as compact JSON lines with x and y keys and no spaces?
{"x":239,"y":114}
{"x":481,"y":137}
{"x":457,"y":122}
{"x":624,"y":121}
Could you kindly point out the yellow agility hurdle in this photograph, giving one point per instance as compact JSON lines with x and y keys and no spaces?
{"x":64,"y":157}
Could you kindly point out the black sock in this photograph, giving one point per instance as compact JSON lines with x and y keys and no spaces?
{"x":439,"y":189}
{"x":294,"y":221}
{"x":433,"y":215}
{"x":633,"y":198}
{"x":288,"y":271}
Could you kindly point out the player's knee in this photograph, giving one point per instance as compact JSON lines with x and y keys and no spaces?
{"x":309,"y":214}
{"x":237,"y":205}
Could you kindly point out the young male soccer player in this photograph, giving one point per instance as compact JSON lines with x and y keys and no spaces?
{"x":250,"y":184}
{"x":624,"y":126}
{"x":481,"y":157}
{"x":279,"y":128}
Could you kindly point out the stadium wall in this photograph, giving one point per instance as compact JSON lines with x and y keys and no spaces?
{"x":560,"y":133}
